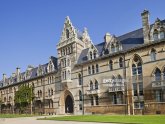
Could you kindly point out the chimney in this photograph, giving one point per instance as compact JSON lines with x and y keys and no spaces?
{"x":146,"y":25}
{"x":4,"y":77}
{"x":17,"y":71}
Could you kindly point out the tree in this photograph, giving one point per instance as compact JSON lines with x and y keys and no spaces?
{"x":24,"y":97}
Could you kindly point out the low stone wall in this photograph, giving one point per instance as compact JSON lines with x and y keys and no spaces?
{"x":154,"y":108}
{"x":110,"y":109}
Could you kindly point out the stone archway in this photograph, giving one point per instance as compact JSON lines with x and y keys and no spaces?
{"x":69,"y":104}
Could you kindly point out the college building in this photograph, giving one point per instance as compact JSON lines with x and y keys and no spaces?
{"x":122,"y":75}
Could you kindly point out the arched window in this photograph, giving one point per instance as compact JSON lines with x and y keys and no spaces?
{"x":80,"y":95}
{"x":89,"y":70}
{"x":97,"y":68}
{"x":134,"y":69}
{"x":93,"y":69}
{"x":91,"y":85}
{"x":94,"y":54}
{"x":112,"y":48}
{"x":139,"y":68}
{"x":51,"y":91}
{"x":157,"y":74}
{"x":153,"y":55}
{"x":91,"y":55}
{"x":67,"y":33}
{"x":80,"y":79}
{"x":40,"y":93}
{"x":96,"y":85}
{"x":155,"y":35}
{"x":120,"y":62}
{"x":69,"y":74}
{"x":68,"y":62}
{"x":110,"y":64}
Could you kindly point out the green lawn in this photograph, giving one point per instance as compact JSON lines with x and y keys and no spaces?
{"x":145,"y":119}
{"x":15,"y":115}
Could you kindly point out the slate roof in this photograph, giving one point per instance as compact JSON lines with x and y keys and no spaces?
{"x":33,"y":72}
{"x":128,"y":41}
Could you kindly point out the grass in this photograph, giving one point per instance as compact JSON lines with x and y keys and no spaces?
{"x":141,"y":119}
{"x":15,"y":115}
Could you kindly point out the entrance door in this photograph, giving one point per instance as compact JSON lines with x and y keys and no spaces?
{"x":68,"y":104}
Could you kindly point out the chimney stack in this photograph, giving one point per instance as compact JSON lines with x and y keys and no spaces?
{"x":17,"y":71}
{"x":4,"y":77}
{"x":146,"y":25}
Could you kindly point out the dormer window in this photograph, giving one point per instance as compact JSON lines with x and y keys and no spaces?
{"x":91,"y":55}
{"x":155,"y":35}
{"x":94,"y":54}
{"x":67,"y":33}
{"x":162,"y":35}
{"x":112,"y":48}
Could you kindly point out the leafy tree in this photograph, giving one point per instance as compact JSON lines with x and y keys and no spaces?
{"x":24,"y":96}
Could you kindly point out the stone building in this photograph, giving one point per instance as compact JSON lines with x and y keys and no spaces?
{"x":122,"y":75}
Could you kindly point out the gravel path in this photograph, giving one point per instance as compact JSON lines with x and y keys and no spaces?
{"x":32,"y":120}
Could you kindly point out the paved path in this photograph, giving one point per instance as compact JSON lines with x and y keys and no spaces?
{"x":32,"y":120}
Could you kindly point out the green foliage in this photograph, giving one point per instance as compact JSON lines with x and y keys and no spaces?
{"x":24,"y":94}
{"x":23,"y":97}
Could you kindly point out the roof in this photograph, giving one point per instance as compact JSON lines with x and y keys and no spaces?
{"x":128,"y":41}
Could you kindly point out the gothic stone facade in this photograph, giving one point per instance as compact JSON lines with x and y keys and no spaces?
{"x":122,"y":75}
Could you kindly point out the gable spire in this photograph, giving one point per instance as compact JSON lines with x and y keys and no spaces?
{"x":86,"y":38}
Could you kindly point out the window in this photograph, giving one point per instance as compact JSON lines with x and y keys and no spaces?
{"x":93,"y":69}
{"x":68,"y":62}
{"x":80,"y":106}
{"x":157,"y":74}
{"x":117,"y":47}
{"x":92,"y":103}
{"x":158,"y":95}
{"x":89,"y":70}
{"x":153,"y":55}
{"x":91,"y":85}
{"x":134,"y":69}
{"x":91,"y":55}
{"x":80,"y":79}
{"x":162,"y":35}
{"x":67,"y":33}
{"x":51,"y":91}
{"x":155,"y":35}
{"x":96,"y":84}
{"x":97,"y":68}
{"x":80,"y":95}
{"x":135,"y":89}
{"x":112,"y":48}
{"x":69,"y":76}
{"x":114,"y":98}
{"x":111,"y":65}
{"x":141,"y":88}
{"x":138,"y":105}
{"x":139,"y":68}
{"x":97,"y":100}
{"x":40,"y":93}
{"x":120,"y":62}
{"x":94,"y":54}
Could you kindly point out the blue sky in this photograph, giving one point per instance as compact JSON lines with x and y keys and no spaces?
{"x":30,"y":29}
